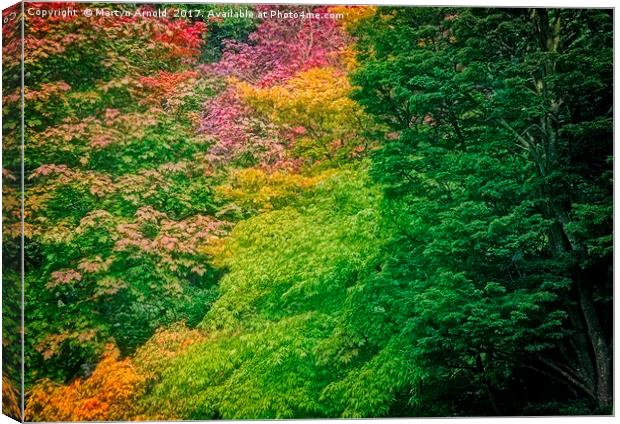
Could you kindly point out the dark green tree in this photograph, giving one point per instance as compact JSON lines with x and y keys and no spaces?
{"x":497,"y":175}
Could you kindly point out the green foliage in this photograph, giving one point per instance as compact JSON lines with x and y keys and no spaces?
{"x":282,"y":231}
{"x":488,"y":194}
{"x":116,"y":204}
{"x":277,"y":344}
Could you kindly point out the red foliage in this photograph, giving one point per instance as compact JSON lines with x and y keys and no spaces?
{"x":184,"y":37}
{"x":54,"y":33}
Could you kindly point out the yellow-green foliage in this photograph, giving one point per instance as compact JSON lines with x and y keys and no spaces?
{"x":256,"y":189}
{"x":275,"y":338}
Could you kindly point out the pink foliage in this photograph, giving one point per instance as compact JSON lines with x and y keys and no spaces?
{"x":50,"y":169}
{"x":46,"y":92}
{"x":237,"y":131}
{"x":222,"y":119}
{"x":173,"y":236}
{"x":64,"y":276}
{"x":110,"y":115}
{"x":280,"y":48}
{"x":100,"y":141}
{"x":277,"y":50}
{"x":176,"y":244}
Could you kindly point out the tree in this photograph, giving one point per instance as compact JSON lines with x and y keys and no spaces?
{"x":111,"y":107}
{"x":12,"y":308}
{"x":502,"y":219}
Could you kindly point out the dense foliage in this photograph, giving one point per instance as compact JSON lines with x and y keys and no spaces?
{"x":369,"y":212}
{"x":498,"y":179}
{"x":11,"y":216}
{"x":116,"y":203}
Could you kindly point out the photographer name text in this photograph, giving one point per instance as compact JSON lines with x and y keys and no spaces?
{"x":181,"y":13}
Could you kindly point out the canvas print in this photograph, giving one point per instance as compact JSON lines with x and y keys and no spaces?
{"x":219,"y":211}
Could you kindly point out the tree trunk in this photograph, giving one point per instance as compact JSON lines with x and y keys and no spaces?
{"x":487,"y":386}
{"x":548,"y":27}
{"x":602,"y":352}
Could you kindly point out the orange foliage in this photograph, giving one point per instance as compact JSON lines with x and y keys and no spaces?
{"x":10,"y":399}
{"x":108,"y":394}
{"x":163,"y":84}
{"x":112,"y":391}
